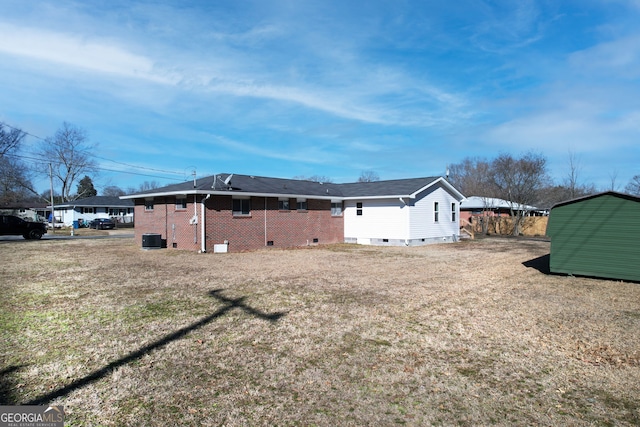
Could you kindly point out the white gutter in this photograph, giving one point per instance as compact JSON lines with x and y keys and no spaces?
{"x":233,"y":193}
{"x":203,"y":223}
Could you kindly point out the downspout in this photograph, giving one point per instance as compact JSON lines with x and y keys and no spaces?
{"x":166,"y":219}
{"x":203,"y":244}
{"x":265,"y":220}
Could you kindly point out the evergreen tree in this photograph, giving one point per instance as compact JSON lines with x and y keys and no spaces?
{"x":86,"y":188}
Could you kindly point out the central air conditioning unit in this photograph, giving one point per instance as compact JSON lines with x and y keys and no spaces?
{"x":151,"y":241}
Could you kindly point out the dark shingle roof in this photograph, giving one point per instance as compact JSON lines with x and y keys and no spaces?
{"x":249,"y":184}
{"x":107,"y":201}
{"x":395,"y":187}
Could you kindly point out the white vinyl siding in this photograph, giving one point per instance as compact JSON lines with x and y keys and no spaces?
{"x":380,"y":219}
{"x":422,"y":224}
{"x":391,"y":221}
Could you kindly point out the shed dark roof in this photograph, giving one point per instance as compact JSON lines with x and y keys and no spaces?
{"x":249,"y":184}
{"x":593,"y":196}
{"x":107,"y":201}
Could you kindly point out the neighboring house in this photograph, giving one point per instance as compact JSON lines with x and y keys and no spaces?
{"x":596,"y":236}
{"x":85,"y":210}
{"x":241,"y":212}
{"x":478,"y":206}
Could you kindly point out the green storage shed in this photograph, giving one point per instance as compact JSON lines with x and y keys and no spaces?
{"x":597,"y":235}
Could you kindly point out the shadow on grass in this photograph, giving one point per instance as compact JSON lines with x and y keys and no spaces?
{"x":229,"y":304}
{"x":541,"y":264}
{"x":7,"y":396}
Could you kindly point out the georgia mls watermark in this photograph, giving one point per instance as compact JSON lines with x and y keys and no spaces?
{"x":32,"y":416}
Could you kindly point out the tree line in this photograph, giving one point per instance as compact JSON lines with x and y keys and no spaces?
{"x":66,"y":158}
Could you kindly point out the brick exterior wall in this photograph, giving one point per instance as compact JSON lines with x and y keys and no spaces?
{"x":265,"y":226}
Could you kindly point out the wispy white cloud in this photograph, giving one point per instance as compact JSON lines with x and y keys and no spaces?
{"x":619,"y":57}
{"x":355,"y":102}
{"x":77,"y":51}
{"x":318,"y":84}
{"x":507,"y":25}
{"x":300,"y":153}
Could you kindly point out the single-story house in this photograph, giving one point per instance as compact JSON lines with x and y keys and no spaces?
{"x":86,"y":210}
{"x":597,"y":236}
{"x":230,"y":212}
{"x":479,"y":206}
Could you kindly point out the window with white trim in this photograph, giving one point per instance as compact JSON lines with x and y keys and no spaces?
{"x":283,"y":204}
{"x":241,"y":207}
{"x":181,"y":203}
{"x":359,"y":208}
{"x":453,"y":212}
{"x":301,"y":204}
{"x":148,"y":204}
{"x":436,"y":214}
{"x":336,"y":208}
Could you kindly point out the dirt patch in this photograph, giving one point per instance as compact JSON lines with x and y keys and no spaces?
{"x":473,"y":333}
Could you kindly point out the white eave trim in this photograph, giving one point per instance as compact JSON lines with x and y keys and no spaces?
{"x":386,"y":196}
{"x":445,"y":183}
{"x":328,"y":196}
{"x":231,"y":193}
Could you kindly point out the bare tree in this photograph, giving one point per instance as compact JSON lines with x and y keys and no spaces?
{"x":633,"y":187}
{"x":369,"y":176}
{"x":10,"y":139}
{"x":313,"y":178}
{"x":113,"y":191}
{"x":471,"y":177}
{"x":571,"y":181}
{"x":613,"y":177}
{"x":145,"y":186}
{"x":15,"y":176}
{"x":15,"y":183}
{"x":69,"y":153}
{"x":518,"y":181}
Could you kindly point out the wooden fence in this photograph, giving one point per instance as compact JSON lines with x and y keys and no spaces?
{"x":532,"y":226}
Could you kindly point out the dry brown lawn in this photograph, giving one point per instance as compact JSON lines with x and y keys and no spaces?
{"x":472,"y":334}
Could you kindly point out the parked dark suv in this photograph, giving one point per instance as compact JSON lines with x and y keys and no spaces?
{"x":102,"y":224}
{"x":11,"y":225}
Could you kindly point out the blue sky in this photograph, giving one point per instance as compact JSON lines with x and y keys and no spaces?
{"x":299,"y":88}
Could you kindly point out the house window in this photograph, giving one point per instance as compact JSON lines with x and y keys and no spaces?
{"x":302,"y":204}
{"x":181,"y":203}
{"x":453,"y":212}
{"x":148,"y":204}
{"x":435,"y":212}
{"x":359,"y":208}
{"x":283,"y":204}
{"x":336,"y":208}
{"x":241,"y":207}
{"x":87,"y":210}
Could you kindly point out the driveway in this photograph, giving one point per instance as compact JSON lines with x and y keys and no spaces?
{"x":49,"y":236}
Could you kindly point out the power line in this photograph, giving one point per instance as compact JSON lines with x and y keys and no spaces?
{"x":40,"y":159}
{"x":20,"y":130}
{"x":138,"y":167}
{"x":98,"y":157}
